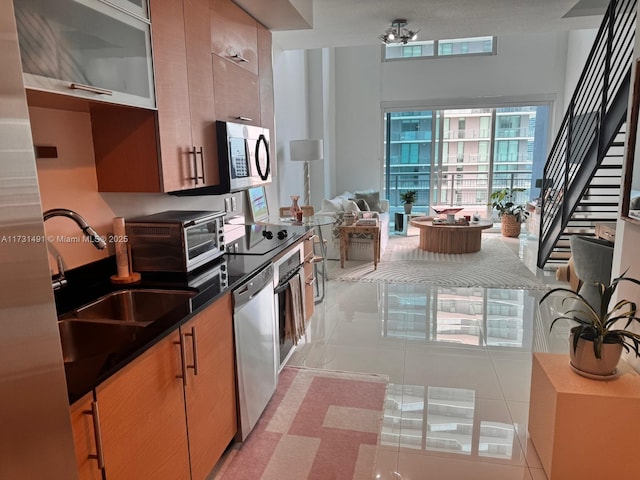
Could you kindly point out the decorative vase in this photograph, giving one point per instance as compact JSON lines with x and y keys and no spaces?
{"x":295,"y":208}
{"x":510,"y":226}
{"x":584,"y":361}
{"x":407,"y":208}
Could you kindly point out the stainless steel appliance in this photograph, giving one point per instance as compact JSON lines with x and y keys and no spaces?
{"x":283,"y":269}
{"x":175,"y":240}
{"x":243,"y":156}
{"x":256,"y":349}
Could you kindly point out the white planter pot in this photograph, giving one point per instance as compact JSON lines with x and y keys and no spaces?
{"x":583,"y":359}
{"x":408,"y":207}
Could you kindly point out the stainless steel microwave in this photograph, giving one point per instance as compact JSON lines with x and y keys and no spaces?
{"x":175,"y":240}
{"x":243,"y":156}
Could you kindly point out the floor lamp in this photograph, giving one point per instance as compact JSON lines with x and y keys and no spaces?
{"x":306,"y":151}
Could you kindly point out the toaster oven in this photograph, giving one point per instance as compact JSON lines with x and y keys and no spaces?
{"x":175,"y":240}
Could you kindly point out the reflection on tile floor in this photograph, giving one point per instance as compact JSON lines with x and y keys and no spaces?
{"x":459,"y":368}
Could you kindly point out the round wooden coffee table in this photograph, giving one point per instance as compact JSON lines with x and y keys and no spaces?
{"x":449,"y":237}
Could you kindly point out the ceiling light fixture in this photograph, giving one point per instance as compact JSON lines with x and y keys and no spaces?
{"x":397,"y":33}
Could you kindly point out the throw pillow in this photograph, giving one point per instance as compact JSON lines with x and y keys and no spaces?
{"x":332,"y":205}
{"x":350,"y":206}
{"x":372,"y":199}
{"x":362,"y":204}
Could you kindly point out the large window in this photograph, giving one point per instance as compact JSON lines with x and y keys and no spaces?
{"x":457,"y":157}
{"x":441,"y":48}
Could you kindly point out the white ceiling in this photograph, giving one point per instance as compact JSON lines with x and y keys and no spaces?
{"x":360,"y":22}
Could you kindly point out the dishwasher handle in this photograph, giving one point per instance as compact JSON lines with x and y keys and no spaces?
{"x":246,"y":291}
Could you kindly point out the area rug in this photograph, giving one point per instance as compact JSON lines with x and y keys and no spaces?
{"x":494,"y":266}
{"x":319,"y":425}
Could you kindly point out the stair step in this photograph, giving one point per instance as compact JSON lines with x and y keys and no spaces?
{"x":560,"y":256}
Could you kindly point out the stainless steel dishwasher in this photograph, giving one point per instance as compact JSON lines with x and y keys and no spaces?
{"x":256,"y":348}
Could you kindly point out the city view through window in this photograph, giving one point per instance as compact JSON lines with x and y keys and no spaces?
{"x":458,"y":157}
{"x":441,"y":48}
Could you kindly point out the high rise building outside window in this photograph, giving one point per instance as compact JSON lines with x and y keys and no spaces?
{"x":440,"y":48}
{"x":457,"y":157}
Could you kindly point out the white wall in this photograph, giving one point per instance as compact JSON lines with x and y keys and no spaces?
{"x":580,"y":42}
{"x":304,"y":98}
{"x":290,"y":96}
{"x":532,"y":67}
{"x":525,"y":65}
{"x":358,"y":73}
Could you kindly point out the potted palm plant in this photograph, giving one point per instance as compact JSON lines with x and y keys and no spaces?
{"x":602,"y":332}
{"x":408,"y":197}
{"x":511,"y":214}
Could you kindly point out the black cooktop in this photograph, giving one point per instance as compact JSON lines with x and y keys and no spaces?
{"x":259,"y":239}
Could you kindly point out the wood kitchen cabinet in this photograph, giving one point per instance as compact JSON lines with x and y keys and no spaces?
{"x":265,"y":77}
{"x":242,"y":66}
{"x":237,"y":93}
{"x":84,"y":438}
{"x":90,"y":50}
{"x":210,"y":391}
{"x":176,"y":146}
{"x":143,"y":428}
{"x":155,"y":423}
{"x":234,"y":35}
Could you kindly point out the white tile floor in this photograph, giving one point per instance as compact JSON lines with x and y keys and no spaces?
{"x":459,"y":367}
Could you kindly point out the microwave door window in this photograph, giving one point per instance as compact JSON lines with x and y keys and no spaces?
{"x":238,"y":158}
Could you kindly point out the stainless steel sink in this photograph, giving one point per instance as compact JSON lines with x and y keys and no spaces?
{"x":131,"y":306}
{"x":84,"y":340}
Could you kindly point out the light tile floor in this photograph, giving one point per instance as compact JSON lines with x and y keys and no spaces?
{"x":459,"y":367}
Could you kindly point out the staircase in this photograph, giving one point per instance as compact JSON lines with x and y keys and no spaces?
{"x":583,"y":173}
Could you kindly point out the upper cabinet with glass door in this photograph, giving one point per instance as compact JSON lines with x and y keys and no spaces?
{"x":137,"y":7}
{"x":88,"y":49}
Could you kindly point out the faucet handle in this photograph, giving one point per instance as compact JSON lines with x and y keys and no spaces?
{"x":59,"y":280}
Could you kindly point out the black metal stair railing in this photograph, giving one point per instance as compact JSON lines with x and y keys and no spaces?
{"x":595,"y":114}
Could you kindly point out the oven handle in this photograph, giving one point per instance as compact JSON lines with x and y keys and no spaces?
{"x":284,"y":283}
{"x":200,"y":220}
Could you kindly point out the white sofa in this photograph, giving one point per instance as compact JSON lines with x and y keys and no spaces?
{"x":360,"y":249}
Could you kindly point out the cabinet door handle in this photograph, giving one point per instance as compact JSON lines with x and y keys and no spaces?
{"x":239,"y":58}
{"x":90,"y":88}
{"x":183,"y":361}
{"x":244,"y":119}
{"x":201,"y":153}
{"x":194,"y":152}
{"x":97,"y":432}
{"x":195,"y":350}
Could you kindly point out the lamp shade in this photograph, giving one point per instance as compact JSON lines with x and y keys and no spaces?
{"x":306,"y":150}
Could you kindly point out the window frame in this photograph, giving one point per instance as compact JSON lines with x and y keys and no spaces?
{"x":436,"y":49}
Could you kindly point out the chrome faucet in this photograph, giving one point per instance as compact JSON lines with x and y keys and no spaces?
{"x":58,"y":281}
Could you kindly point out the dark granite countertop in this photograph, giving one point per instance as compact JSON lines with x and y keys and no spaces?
{"x":89,"y":282}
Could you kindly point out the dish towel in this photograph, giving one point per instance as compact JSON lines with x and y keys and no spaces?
{"x":294,"y":316}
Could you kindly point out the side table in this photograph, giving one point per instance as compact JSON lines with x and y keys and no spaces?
{"x":345,"y":234}
{"x":606,"y":231}
{"x":569,"y":414}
